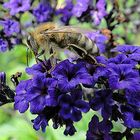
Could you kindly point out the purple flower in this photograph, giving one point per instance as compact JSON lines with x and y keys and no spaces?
{"x":17,"y":6}
{"x":43,"y":12}
{"x":2,"y":79}
{"x":71,"y":105}
{"x":123,"y":77}
{"x":117,"y":135}
{"x":91,"y":70}
{"x":70,"y":129}
{"x":40,"y":121}
{"x":39,"y":95}
{"x":52,"y":113}
{"x":99,"y":12}
{"x":70,"y":75}
{"x":99,"y":39}
{"x":103,"y":100}
{"x":133,"y":98}
{"x":131,"y":116}
{"x":80,"y":7}
{"x":3,"y":45}
{"x":100,"y":71}
{"x":15,"y":41}
{"x":99,"y":130}
{"x":122,"y":59}
{"x":41,"y":68}
{"x":96,"y":72}
{"x":65,"y":12}
{"x":102,"y":60}
{"x":136,"y":136}
{"x":10,"y":27}
{"x":135,"y":57}
{"x":127,"y":50}
{"x":21,"y":102}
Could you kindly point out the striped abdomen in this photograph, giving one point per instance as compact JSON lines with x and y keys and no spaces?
{"x":88,"y":44}
{"x":76,"y":41}
{"x":82,"y":42}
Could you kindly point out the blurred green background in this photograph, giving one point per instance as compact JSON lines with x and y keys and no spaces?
{"x":16,"y":126}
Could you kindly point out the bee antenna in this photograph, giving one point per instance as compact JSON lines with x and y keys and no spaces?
{"x":27,"y":56}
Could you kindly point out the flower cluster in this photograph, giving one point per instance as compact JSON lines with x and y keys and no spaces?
{"x":43,"y":12}
{"x":118,"y":98}
{"x":58,"y":93}
{"x":54,"y":94}
{"x":84,"y":10}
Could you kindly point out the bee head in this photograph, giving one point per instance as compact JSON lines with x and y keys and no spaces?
{"x":32,"y":44}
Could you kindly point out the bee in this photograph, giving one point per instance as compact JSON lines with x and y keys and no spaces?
{"x":49,"y":36}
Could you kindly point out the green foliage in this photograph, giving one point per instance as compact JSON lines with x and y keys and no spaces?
{"x":15,"y":126}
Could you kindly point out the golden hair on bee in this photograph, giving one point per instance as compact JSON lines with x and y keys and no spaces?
{"x":45,"y":26}
{"x":38,"y":35}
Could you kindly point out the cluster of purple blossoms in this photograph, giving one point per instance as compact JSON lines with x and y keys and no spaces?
{"x":3,"y":45}
{"x":84,"y":10}
{"x":80,"y":7}
{"x":99,"y":12}
{"x":84,"y":7}
{"x":59,"y":94}
{"x":16,"y":6}
{"x":56,"y":95}
{"x":10,"y":34}
{"x":65,"y":12}
{"x":10,"y":28}
{"x":43,"y":12}
{"x":118,"y":98}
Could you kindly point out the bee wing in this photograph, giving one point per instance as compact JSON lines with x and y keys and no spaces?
{"x":69,"y":29}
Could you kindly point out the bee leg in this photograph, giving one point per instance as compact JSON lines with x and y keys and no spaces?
{"x":78,"y":49}
{"x":38,"y":55}
{"x":52,"y":58}
{"x":90,"y":59}
{"x":38,"y":60}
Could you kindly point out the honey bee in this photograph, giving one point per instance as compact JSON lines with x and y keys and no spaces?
{"x":49,"y":36}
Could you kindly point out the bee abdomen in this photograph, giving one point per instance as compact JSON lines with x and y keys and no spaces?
{"x":87,"y":44}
